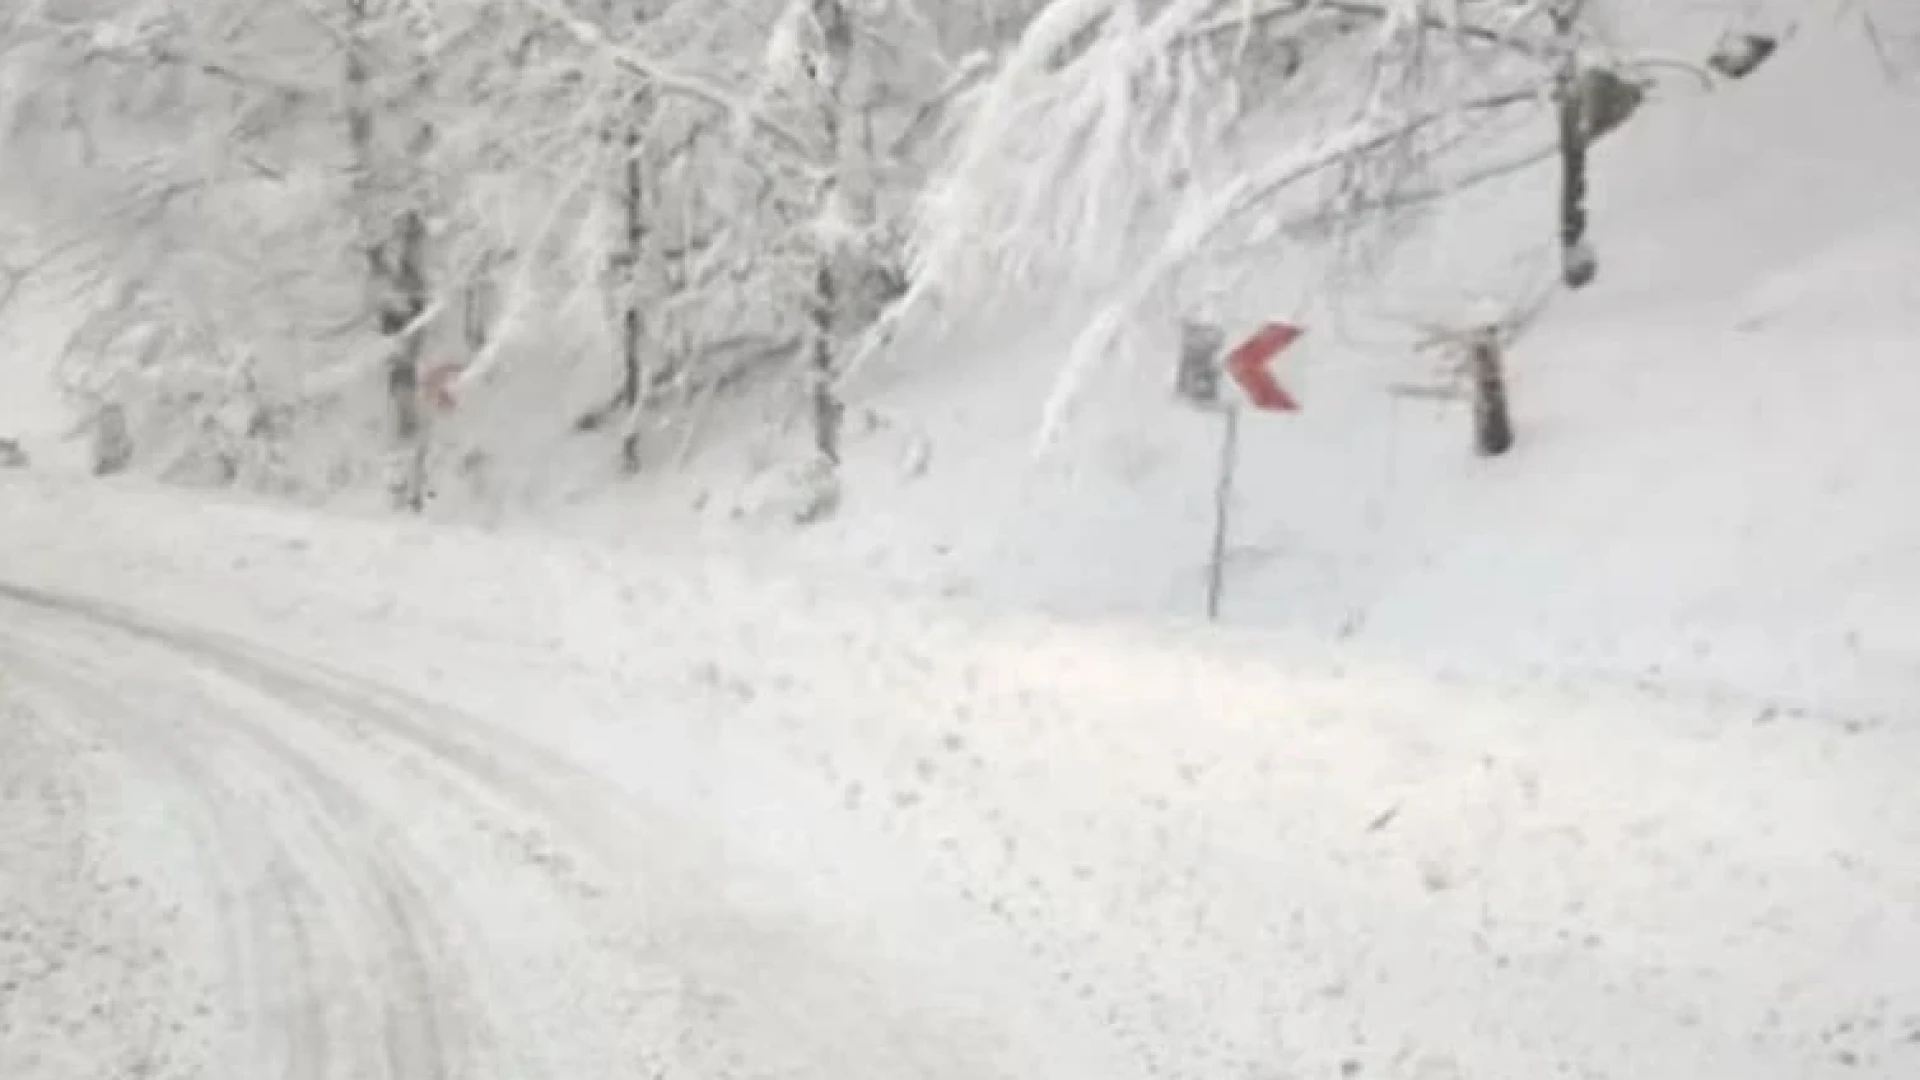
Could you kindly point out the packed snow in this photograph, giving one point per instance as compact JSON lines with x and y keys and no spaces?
{"x":565,"y":811}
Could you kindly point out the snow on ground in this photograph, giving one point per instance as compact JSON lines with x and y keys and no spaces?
{"x":1712,"y":486}
{"x":1591,"y":761}
{"x":546,"y":809}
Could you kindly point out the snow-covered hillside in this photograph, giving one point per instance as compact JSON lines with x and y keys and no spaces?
{"x":1713,"y":481}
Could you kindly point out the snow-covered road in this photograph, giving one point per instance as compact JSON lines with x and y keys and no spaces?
{"x":223,"y":861}
{"x":321,"y":799}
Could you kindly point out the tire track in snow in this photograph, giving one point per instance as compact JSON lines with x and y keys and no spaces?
{"x":748,"y":986}
{"x":329,"y":896}
{"x":85,"y":945}
{"x":264,"y":931}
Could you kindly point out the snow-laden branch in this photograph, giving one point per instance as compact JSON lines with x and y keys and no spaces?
{"x":969,"y":74}
{"x":1454,"y":20}
{"x":1034,"y":126}
{"x":1105,"y":118}
{"x":370,"y":360}
{"x":1205,"y":222}
{"x":1502,"y":31}
{"x":668,"y":81}
{"x":481,"y":366}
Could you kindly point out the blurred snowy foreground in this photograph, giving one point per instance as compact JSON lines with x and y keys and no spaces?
{"x":283,"y":796}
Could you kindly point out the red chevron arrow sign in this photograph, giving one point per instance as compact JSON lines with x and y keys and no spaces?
{"x":1250,"y":365}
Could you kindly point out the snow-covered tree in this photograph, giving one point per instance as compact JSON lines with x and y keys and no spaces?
{"x":778,"y":152}
{"x":1120,"y":145}
{"x":148,"y":142}
{"x":307,"y":236}
{"x":314,"y":240}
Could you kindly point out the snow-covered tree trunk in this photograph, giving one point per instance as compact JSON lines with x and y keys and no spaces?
{"x":831,"y":292}
{"x":479,"y":306}
{"x":1492,"y":422}
{"x":627,"y":259}
{"x":1578,"y":263}
{"x":394,"y":242}
{"x":828,"y":411}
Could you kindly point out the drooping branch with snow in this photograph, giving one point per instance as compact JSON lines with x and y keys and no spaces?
{"x":1117,"y":144}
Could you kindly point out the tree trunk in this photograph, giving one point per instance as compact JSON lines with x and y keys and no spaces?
{"x":828,"y":410}
{"x":633,"y":385}
{"x":830,"y":292}
{"x":394,"y":241}
{"x":1222,"y":510}
{"x":404,"y":293}
{"x":1492,"y":423}
{"x":478,"y":305}
{"x":1578,"y":263}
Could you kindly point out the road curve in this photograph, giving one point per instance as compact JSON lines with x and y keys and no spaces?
{"x":225,"y":861}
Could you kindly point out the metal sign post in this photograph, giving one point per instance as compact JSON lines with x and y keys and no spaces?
{"x":1250,"y":367}
{"x":1222,"y":507}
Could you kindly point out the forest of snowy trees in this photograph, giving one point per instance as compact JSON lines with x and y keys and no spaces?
{"x":317,"y":244}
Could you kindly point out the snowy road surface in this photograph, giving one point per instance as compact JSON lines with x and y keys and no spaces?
{"x":326,"y":800}
{"x":224,"y":862}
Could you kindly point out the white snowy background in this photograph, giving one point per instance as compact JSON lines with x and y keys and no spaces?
{"x":1593,"y":759}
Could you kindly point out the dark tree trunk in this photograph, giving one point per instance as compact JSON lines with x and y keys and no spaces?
{"x":1578,"y":264}
{"x":402,"y":285}
{"x":633,"y":384}
{"x":830,"y":292}
{"x":478,"y":305}
{"x":1492,"y":423}
{"x":395,"y":245}
{"x":828,"y":410}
